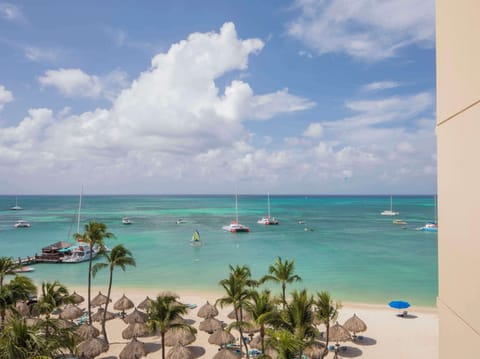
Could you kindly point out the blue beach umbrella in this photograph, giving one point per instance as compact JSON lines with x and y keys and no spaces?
{"x":399,"y":304}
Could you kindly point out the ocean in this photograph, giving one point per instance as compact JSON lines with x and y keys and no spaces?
{"x":344,"y":245}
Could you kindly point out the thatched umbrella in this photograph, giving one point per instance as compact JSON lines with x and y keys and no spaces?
{"x":209,"y":325}
{"x":167,"y":293}
{"x":32,"y":321}
{"x":145,"y":304}
{"x":180,"y":336}
{"x":221,"y":337}
{"x":315,"y":350}
{"x":87,"y":331}
{"x":77,"y":298}
{"x":226,"y":354}
{"x":207,"y":310}
{"x":64,"y":324}
{"x":123,"y":304}
{"x":256,"y":342}
{"x":355,"y":325}
{"x":98,"y":316}
{"x":135,"y":330}
{"x":100,"y":299}
{"x":91,"y":348}
{"x":135,"y":317}
{"x":178,"y":320}
{"x":272,"y":353}
{"x":22,"y":309}
{"x":337,"y":333}
{"x":246,"y":316}
{"x":179,"y":352}
{"x":71,"y":312}
{"x":133,"y":350}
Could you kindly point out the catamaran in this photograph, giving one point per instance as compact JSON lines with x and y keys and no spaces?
{"x":267,"y":220}
{"x":390,"y":212}
{"x":234,"y":226}
{"x":195,"y":241}
{"x":16,"y":207}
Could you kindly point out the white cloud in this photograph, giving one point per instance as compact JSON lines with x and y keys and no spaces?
{"x":366,"y":29}
{"x":76,"y":83}
{"x":380,"y":85}
{"x":5,"y":97}
{"x":11,"y":12}
{"x":314,"y":130}
{"x":37,"y":54}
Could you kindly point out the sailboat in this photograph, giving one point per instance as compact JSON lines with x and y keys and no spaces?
{"x":431,"y":226}
{"x":79,"y":252}
{"x":390,"y":212}
{"x":234,"y":226}
{"x":267,"y":220}
{"x":195,"y":241}
{"x":16,"y":207}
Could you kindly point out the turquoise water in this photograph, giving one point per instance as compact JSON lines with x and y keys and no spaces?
{"x":351,"y":251}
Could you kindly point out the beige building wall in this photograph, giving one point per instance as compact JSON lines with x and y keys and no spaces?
{"x":458,"y":135}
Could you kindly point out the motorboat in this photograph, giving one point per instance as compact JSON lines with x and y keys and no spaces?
{"x":24,"y":270}
{"x":429,"y":227}
{"x":16,"y":207}
{"x":268,"y":220}
{"x":390,"y":212}
{"x":180,"y":221}
{"x":399,"y":221}
{"x":21,"y":224}
{"x":234,"y":226}
{"x":126,"y":220}
{"x":195,"y":241}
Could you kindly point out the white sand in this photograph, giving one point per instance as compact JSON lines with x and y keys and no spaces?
{"x":388,"y":336}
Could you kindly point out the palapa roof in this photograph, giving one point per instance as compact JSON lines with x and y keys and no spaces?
{"x":256,"y":342}
{"x":133,"y":350}
{"x":135,"y":317}
{"x":246,"y":316}
{"x":98,"y":316}
{"x":70,"y":312}
{"x":221,"y":337}
{"x":315,"y":349}
{"x":179,"y":336}
{"x":135,"y":330}
{"x":355,"y":324}
{"x":77,"y":298}
{"x":209,"y":325}
{"x":168,"y":293}
{"x":56,"y":246}
{"x":338,"y":333}
{"x":22,"y":309}
{"x":91,"y":348}
{"x":87,"y":331}
{"x":179,"y":352}
{"x":100,"y":299}
{"x":226,"y":354}
{"x":207,"y":310}
{"x":123,"y":304}
{"x":145,"y":304}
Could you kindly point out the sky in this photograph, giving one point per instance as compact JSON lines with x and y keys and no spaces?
{"x":217,"y":97}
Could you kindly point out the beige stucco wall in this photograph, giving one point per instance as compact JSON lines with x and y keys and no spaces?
{"x":458,"y":135}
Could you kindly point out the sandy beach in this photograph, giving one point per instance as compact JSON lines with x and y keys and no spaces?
{"x":388,"y":335}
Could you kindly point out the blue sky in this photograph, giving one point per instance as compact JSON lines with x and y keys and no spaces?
{"x":301,"y":96}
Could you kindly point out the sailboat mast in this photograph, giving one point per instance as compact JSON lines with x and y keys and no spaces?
{"x":236,"y":207}
{"x":435,"y":213}
{"x":79,"y":208}
{"x":268,"y":202}
{"x":391,"y":204}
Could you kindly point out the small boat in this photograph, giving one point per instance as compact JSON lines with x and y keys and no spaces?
{"x":429,"y":227}
{"x":21,"y":224}
{"x":16,"y":207}
{"x":234,"y":226}
{"x":195,"y":241}
{"x":24,"y":270}
{"x":126,"y":220}
{"x":390,"y":212}
{"x":180,"y":221}
{"x":399,"y":221}
{"x":268,"y":220}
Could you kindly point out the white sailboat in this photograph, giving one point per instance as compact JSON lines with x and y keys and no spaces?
{"x":16,"y":207}
{"x":390,"y":212}
{"x":195,"y":241}
{"x":268,"y":220}
{"x":431,"y":226}
{"x":234,"y":226}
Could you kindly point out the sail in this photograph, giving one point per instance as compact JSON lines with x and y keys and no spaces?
{"x":196,"y":236}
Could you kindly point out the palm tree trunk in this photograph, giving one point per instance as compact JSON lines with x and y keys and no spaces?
{"x":262,"y":337}
{"x":240,"y":328}
{"x":104,"y":330}
{"x":90,"y":285}
{"x":163,"y":345}
{"x":325,"y":352}
{"x":284,"y":301}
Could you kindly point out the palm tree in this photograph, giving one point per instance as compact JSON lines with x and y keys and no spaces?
{"x":261,"y":309}
{"x":118,"y":257}
{"x":19,"y":288}
{"x":326,"y":312}
{"x":95,"y":233}
{"x":282,"y":272}
{"x":20,"y":341}
{"x":298,"y":319}
{"x":237,"y":287}
{"x":164,"y":314}
{"x":7,"y":267}
{"x":284,"y":343}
